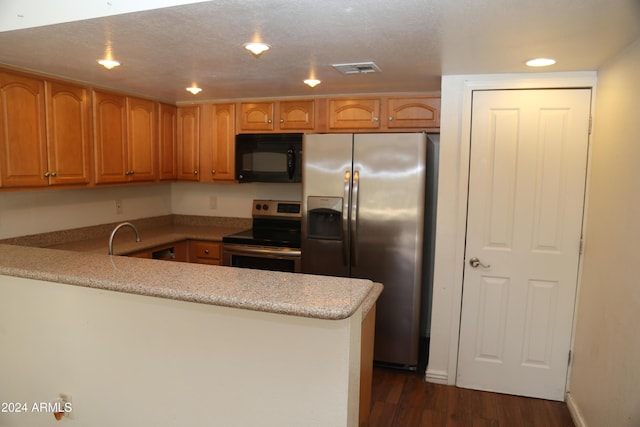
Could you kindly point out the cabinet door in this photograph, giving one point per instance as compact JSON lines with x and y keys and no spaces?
{"x":142,"y":140}
{"x":223,"y":142}
{"x":188,"y":143}
{"x":414,"y":112}
{"x":110,"y":133}
{"x":168,"y":134}
{"x":256,"y":116}
{"x":22,"y":132}
{"x":354,"y":113}
{"x":296,"y":115}
{"x":68,"y":134}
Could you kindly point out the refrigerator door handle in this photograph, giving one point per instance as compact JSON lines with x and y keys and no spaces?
{"x":345,"y":217}
{"x":354,"y":218}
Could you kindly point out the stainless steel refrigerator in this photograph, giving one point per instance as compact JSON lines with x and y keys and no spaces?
{"x":363,"y":217}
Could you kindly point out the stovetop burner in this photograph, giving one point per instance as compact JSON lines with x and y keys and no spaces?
{"x":275,"y":223}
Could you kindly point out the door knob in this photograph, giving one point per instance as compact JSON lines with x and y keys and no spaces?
{"x":475,"y":263}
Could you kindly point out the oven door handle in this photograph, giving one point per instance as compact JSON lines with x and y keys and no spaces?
{"x":261,"y":250}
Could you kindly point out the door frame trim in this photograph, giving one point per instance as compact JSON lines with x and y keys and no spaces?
{"x":455,"y":144}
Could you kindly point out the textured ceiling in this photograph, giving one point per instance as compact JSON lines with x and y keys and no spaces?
{"x":413,"y":42}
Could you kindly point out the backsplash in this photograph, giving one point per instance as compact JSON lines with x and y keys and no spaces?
{"x":27,"y":213}
{"x":43,"y":240}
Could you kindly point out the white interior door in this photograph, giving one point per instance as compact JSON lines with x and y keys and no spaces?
{"x":524,"y":221}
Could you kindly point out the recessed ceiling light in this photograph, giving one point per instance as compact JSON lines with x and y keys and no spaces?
{"x":257,"y":48}
{"x":108,"y":63}
{"x":194,"y":90}
{"x":540,"y":62}
{"x":312,"y":82}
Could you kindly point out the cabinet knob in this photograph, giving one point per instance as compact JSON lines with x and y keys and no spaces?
{"x":376,"y":119}
{"x":213,"y":172}
{"x":281,"y":120}
{"x":47,"y":174}
{"x":390,"y":118}
{"x":195,"y":172}
{"x":269,"y":121}
{"x":206,"y":251}
{"x":54,"y":174}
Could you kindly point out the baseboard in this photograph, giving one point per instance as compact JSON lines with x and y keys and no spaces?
{"x":574,"y":410}
{"x":438,"y":377}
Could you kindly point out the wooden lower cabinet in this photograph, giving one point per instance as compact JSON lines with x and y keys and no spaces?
{"x":196,"y":251}
{"x":177,"y":251}
{"x":205,"y":252}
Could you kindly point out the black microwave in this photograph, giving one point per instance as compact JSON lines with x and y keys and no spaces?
{"x":269,"y":157}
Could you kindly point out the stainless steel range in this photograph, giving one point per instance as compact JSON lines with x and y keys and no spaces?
{"x":273,"y":242}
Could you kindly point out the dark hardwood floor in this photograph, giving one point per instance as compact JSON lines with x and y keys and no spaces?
{"x":404,"y":399}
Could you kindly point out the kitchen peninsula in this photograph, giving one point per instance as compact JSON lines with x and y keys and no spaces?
{"x":148,"y":342}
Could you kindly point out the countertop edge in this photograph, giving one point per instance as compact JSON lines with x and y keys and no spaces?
{"x":320,"y":297}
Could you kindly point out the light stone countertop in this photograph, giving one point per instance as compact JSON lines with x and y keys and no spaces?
{"x":294,"y":294}
{"x":124,"y":242}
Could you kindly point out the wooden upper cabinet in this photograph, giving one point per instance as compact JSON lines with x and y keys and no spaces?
{"x":256,"y":116}
{"x":277,"y":116}
{"x":189,"y":143}
{"x":223,"y":142}
{"x":354,"y":113}
{"x":296,"y":115}
{"x":22,"y":131}
{"x":68,"y":134}
{"x":109,"y":136}
{"x":168,"y":133}
{"x":421,"y":112}
{"x":142,"y":141}
{"x":125,"y":138}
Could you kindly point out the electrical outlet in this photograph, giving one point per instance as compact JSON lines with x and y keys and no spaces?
{"x":118,"y":207}
{"x":213,"y":202}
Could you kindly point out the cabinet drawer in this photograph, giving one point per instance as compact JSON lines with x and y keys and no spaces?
{"x":205,"y":252}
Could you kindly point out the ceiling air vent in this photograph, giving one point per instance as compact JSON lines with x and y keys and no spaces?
{"x":357,"y":68}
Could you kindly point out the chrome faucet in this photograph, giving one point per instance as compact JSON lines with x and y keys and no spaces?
{"x":118,"y":227}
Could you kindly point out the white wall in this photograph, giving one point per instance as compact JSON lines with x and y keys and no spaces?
{"x":605,"y":376}
{"x":453,"y":168}
{"x":130,"y":360}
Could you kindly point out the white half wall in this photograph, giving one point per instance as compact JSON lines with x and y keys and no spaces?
{"x":131,"y":360}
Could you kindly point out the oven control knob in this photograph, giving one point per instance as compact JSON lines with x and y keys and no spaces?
{"x":265,"y":207}
{"x":258,"y":206}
